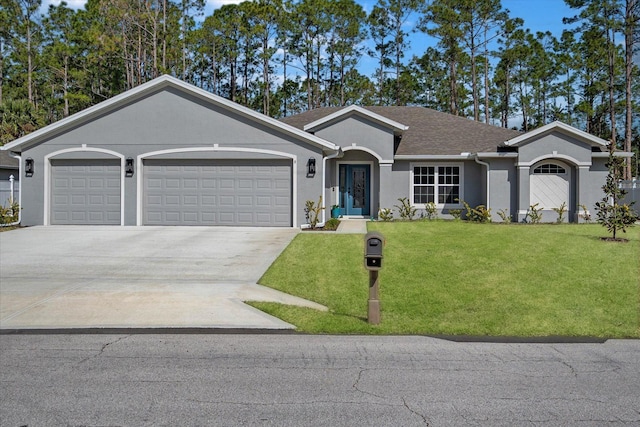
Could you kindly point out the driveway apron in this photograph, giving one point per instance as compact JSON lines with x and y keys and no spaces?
{"x":139,"y":277}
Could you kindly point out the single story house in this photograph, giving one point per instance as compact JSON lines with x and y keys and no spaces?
{"x":169,"y":153}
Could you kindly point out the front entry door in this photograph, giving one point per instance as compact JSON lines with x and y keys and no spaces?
{"x":354,"y":190}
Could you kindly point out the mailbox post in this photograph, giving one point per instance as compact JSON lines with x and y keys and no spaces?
{"x":373,"y":243}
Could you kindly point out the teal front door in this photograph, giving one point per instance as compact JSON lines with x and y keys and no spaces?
{"x":355,"y":189}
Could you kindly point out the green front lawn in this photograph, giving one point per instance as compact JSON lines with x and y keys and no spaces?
{"x":459,"y":278}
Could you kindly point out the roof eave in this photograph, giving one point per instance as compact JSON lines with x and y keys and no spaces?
{"x":461,"y":156}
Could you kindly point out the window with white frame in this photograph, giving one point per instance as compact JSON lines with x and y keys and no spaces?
{"x":549,"y":169}
{"x":440,"y":184}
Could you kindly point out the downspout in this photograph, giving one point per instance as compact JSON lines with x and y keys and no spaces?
{"x":19,"y":158}
{"x":338,"y":154}
{"x":480,"y":162}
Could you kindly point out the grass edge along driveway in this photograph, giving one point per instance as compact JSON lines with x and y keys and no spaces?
{"x":460,"y":278}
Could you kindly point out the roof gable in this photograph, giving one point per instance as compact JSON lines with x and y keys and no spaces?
{"x":556,"y":126}
{"x":355,"y":110}
{"x":150,"y":87}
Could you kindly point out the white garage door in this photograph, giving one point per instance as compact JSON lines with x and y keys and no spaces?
{"x":550,"y":186}
{"x":217,"y":192}
{"x":85,"y":192}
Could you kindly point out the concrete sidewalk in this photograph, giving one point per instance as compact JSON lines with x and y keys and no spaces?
{"x":353,"y":226}
{"x":139,"y":277}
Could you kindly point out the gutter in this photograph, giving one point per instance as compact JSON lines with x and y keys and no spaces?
{"x":19,"y":158}
{"x":480,"y":162}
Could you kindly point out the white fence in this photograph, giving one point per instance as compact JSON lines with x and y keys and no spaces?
{"x":633,"y":192}
{"x":9,"y":191}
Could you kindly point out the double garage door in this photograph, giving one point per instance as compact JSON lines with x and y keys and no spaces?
{"x":217,"y":192}
{"x":176,"y":192}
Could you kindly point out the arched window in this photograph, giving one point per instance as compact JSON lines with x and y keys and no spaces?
{"x":548,"y":169}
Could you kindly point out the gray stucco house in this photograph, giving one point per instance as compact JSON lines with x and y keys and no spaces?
{"x":168,"y":153}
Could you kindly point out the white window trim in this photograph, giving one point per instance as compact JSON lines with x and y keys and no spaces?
{"x":550,"y":162}
{"x":436,"y":165}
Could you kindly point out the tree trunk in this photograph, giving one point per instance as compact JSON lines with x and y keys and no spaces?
{"x":629,"y":25}
{"x":612,"y":102}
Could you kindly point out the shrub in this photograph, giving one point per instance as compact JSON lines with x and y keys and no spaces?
{"x":406,"y":211}
{"x":431,"y":212}
{"x":456,"y":213}
{"x":478,"y":214}
{"x":9,"y":214}
{"x":585,"y":213}
{"x":332,"y":224}
{"x":312,"y":212}
{"x":560,"y":211}
{"x":504,"y":215}
{"x":534,"y":214}
{"x":385,"y":214}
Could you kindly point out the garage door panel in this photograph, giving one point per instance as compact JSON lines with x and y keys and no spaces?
{"x":217,"y":192}
{"x":85,"y":192}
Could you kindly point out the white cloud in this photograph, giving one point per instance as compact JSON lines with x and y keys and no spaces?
{"x":212,"y":5}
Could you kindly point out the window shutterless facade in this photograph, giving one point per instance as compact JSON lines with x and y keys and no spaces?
{"x":436,"y":183}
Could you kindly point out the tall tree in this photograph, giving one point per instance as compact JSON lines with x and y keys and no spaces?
{"x":346,"y":35}
{"x":380,"y":32}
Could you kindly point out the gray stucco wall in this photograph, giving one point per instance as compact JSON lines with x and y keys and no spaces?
{"x":503,"y":186}
{"x":169,"y":119}
{"x":364,"y":133}
{"x":473,"y":189}
{"x":558,"y":143}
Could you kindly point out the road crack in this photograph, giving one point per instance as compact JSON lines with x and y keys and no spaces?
{"x":425,"y":420}
{"x":104,"y":347}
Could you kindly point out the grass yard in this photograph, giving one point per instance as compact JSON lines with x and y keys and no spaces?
{"x":460,"y":278}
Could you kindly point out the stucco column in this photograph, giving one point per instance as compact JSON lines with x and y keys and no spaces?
{"x":524,"y":192}
{"x":582,"y":192}
{"x":386,"y":196}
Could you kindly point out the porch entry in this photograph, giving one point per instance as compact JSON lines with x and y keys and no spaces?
{"x":354,"y":189}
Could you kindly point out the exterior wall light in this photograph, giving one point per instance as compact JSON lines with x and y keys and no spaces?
{"x":28,"y":167}
{"x":128,"y":167}
{"x":311,"y":167}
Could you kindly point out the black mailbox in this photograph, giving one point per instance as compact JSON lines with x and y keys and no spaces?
{"x":373,"y":243}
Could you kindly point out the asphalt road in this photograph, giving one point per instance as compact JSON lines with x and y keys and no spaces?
{"x":295,"y":380}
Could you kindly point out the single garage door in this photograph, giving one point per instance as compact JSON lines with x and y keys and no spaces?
{"x":85,"y":192}
{"x":549,"y":186}
{"x":217,"y":192}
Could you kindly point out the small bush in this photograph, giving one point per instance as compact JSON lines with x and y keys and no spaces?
{"x":9,"y":214}
{"x":385,"y":214}
{"x":431,"y":212}
{"x":332,"y":224}
{"x":585,"y":213}
{"x":560,"y":211}
{"x":312,"y":212}
{"x":478,"y":214}
{"x":534,"y":214}
{"x":406,"y":211}
{"x":456,"y":213}
{"x":504,"y":215}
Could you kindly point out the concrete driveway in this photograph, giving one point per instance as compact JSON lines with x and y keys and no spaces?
{"x":139,"y":277}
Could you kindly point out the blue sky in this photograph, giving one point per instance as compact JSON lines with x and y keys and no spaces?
{"x":539,"y":15}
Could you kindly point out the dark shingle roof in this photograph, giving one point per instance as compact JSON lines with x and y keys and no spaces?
{"x":430,"y":131}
